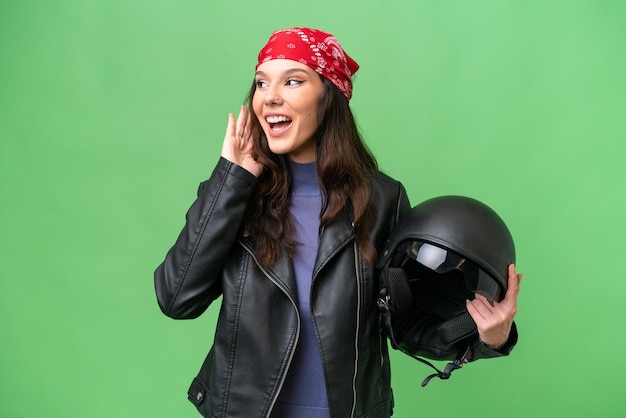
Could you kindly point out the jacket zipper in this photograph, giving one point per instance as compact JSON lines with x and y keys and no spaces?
{"x":284,"y":376}
{"x":357,"y":271}
{"x":380,"y":348}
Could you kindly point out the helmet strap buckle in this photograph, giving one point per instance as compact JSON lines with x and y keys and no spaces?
{"x":459,"y":362}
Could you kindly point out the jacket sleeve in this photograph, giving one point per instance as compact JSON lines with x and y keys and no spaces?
{"x":416,"y":334}
{"x":188,"y":280}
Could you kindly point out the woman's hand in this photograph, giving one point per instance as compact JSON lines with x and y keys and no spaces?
{"x":238,"y":143}
{"x":494,"y":322}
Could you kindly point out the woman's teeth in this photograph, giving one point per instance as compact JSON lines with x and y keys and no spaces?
{"x":275,"y":120}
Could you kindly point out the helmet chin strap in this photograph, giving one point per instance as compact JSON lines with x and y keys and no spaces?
{"x":460,"y":360}
{"x":395,"y":296}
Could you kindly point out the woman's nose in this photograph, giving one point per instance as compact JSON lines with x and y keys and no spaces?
{"x":272,"y":96}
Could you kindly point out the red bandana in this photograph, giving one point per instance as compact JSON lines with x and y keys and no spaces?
{"x":315,"y":48}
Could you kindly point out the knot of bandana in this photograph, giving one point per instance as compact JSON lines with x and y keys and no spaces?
{"x":315,"y":48}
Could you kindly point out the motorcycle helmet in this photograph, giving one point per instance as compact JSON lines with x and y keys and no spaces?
{"x":441,"y":253}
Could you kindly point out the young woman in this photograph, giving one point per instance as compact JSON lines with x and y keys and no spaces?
{"x":286,"y":230}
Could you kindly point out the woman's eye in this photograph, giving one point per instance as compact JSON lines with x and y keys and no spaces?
{"x":260,"y":84}
{"x":293,"y":82}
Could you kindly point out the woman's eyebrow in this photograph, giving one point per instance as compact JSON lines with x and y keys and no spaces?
{"x":286,"y":72}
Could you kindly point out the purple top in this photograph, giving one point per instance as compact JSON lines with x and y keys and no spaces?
{"x":304,"y":392}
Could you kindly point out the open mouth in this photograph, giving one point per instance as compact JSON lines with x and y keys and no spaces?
{"x":278,"y":122}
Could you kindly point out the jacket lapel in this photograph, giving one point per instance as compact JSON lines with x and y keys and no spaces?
{"x":284,"y":274}
{"x":335,"y":235}
{"x":281,"y":273}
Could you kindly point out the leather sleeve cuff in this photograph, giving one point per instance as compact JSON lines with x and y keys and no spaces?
{"x":482,"y":351}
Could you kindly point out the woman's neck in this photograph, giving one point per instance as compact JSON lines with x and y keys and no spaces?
{"x":304,"y":178}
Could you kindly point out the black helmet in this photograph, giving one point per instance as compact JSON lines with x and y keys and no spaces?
{"x":439,"y":254}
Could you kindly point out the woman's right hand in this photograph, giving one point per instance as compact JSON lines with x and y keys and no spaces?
{"x":238,"y":143}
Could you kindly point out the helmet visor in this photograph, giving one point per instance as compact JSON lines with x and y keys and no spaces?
{"x":442,"y":261}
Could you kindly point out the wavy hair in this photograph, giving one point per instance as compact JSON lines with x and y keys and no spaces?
{"x":343,"y":165}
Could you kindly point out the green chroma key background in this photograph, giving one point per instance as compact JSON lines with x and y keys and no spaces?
{"x":112,"y":112}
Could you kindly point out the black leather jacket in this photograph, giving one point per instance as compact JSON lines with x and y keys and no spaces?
{"x":259,"y":323}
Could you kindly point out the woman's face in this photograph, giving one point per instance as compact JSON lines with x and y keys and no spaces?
{"x":286,"y":103}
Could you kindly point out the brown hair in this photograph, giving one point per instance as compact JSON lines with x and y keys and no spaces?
{"x":343,"y":165}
